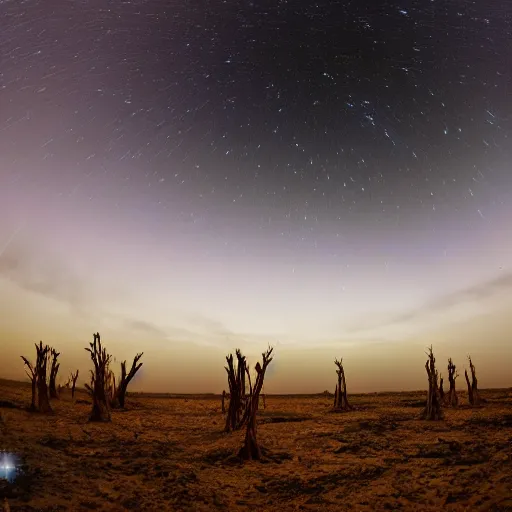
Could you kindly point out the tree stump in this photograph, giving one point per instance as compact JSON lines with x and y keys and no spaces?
{"x":43,"y":400}
{"x":120,"y":393}
{"x":473,"y":393}
{"x":251,"y":449}
{"x":32,"y":374}
{"x":100,"y":381}
{"x":54,"y":369}
{"x":433,"y":410}
{"x":74,"y":377}
{"x":452,"y":399}
{"x":340,"y":393}
{"x":237,"y":411}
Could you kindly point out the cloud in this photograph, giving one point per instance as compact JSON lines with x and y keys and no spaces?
{"x":203,"y":323}
{"x":33,"y":271}
{"x":477,"y":292}
{"x":37,"y":271}
{"x":204,"y":331}
{"x":199,"y":330}
{"x":146,"y":327}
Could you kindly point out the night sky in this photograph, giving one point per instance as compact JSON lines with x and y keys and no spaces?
{"x":189,"y":177}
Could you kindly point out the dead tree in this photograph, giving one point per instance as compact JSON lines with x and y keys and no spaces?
{"x":120,"y":394}
{"x":43,"y":400}
{"x":451,"y":399}
{"x":236,"y":416}
{"x":250,"y":449}
{"x":340,"y":394}
{"x":433,"y":410}
{"x":53,"y":373}
{"x":223,"y":401}
{"x":473,"y":393}
{"x":110,"y":384}
{"x":32,"y":374}
{"x":73,"y":379}
{"x":100,"y":376}
{"x":441,"y":390}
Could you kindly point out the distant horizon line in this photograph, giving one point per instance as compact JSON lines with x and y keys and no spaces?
{"x":166,"y":394}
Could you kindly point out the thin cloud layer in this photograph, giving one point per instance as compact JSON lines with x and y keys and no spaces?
{"x":38,"y":273}
{"x":478,"y":292}
{"x":147,"y":328}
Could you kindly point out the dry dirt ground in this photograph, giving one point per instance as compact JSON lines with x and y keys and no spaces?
{"x":170,"y":453}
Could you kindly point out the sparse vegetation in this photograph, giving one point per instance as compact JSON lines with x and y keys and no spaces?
{"x":223,"y":401}
{"x":369,"y":435}
{"x":166,"y":453}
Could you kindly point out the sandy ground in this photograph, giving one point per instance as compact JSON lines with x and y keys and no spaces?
{"x":171,"y":454}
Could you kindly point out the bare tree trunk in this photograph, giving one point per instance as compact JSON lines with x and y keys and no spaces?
{"x":33,"y":406}
{"x":251,"y":449}
{"x":241,"y":370}
{"x":99,"y":381}
{"x":441,"y":390}
{"x":344,"y":382}
{"x":237,"y":410}
{"x":340,"y":395}
{"x":110,"y":387}
{"x":473,"y":393}
{"x":54,"y":369}
{"x":433,"y":409}
{"x":100,"y":409}
{"x":32,"y":374}
{"x":452,"y":399}
{"x":43,"y":400}
{"x":120,"y":394}
{"x":74,"y":377}
{"x":470,"y":390}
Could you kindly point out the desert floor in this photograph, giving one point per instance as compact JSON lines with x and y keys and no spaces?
{"x":171,"y":454}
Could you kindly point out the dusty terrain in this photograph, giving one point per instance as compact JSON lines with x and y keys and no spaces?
{"x":169,"y":453}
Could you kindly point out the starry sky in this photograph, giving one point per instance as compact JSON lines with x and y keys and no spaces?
{"x":331,"y":178}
